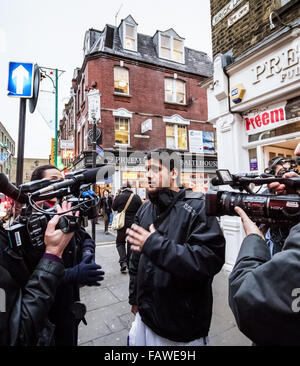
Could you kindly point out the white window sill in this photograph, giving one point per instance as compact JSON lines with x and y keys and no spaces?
{"x":175,"y":103}
{"x":122,"y":95}
{"x":122,"y":145}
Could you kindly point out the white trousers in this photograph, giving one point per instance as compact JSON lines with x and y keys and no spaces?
{"x":141,"y":335}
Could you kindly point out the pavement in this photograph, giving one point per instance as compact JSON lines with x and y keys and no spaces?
{"x":108,"y":313}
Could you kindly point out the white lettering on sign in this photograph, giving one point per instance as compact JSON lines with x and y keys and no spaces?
{"x":238,"y":15}
{"x":265,"y":120}
{"x":286,"y":64}
{"x":225,"y":11}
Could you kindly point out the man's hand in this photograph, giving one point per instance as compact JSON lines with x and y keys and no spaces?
{"x":137,"y":236}
{"x":280,"y":188}
{"x":249,"y":225}
{"x":56,"y":240}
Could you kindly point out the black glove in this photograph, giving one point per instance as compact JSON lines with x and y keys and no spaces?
{"x":86,"y":273}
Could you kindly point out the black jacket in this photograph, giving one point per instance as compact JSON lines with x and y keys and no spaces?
{"x":119,"y":205}
{"x":28,"y":298}
{"x":171,"y":279}
{"x":264,"y":291}
{"x":104,"y":206}
{"x":62,"y":313}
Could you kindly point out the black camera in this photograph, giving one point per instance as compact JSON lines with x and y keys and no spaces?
{"x":28,"y":232}
{"x":261,"y":208}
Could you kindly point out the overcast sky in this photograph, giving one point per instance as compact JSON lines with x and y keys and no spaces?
{"x":51,"y":34}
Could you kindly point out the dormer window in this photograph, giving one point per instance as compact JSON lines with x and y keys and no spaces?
{"x":130,"y":37}
{"x":128,"y":33}
{"x":171,"y":47}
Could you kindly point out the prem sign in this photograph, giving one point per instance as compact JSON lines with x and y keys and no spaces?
{"x":225,"y":11}
{"x":264,"y":120}
{"x":285,"y":65}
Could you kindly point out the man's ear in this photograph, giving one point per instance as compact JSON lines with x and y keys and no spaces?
{"x":174,"y":174}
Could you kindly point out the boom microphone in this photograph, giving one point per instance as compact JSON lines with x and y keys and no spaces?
{"x":10,"y":190}
{"x":88,"y":176}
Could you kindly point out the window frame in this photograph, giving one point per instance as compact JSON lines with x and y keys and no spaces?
{"x":174,"y":91}
{"x":128,"y":81}
{"x":172,"y":49}
{"x":126,"y":36}
{"x":128,"y":120}
{"x":176,"y":125}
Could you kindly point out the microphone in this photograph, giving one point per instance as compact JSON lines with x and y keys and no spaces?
{"x":10,"y":190}
{"x":88,"y":176}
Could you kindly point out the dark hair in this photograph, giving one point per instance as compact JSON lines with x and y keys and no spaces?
{"x":127,"y":185}
{"x":169,"y":163}
{"x":168,"y":158}
{"x":38,"y":173}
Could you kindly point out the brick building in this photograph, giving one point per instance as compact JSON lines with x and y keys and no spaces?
{"x":254,"y":94}
{"x":150,"y":98}
{"x":7,"y":148}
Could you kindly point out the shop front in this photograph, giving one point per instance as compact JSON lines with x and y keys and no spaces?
{"x":255,"y":107}
{"x":196,"y":170}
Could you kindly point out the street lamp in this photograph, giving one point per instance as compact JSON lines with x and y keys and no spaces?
{"x":45,"y":71}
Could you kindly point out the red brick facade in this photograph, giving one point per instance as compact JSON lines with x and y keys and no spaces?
{"x":146,"y":100}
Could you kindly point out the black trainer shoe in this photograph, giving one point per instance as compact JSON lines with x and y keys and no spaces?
{"x":123,"y":268}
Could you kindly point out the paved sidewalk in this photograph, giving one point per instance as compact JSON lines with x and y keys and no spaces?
{"x":108,"y":312}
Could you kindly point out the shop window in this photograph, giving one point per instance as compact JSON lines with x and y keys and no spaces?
{"x":174,"y":91}
{"x":176,"y":136}
{"x":122,"y":131}
{"x":253,"y":159}
{"x":121,"y":80}
{"x":198,"y":182}
{"x":171,"y":48}
{"x":279,"y":131}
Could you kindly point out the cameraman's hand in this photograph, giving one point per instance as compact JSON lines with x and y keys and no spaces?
{"x":86,"y":273}
{"x":280,"y":188}
{"x":56,"y":240}
{"x":249,"y":225}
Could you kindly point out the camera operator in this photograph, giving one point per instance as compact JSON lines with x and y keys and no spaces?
{"x":263,"y":290}
{"x":29,"y":296}
{"x":81,"y":270}
{"x":276,"y":234}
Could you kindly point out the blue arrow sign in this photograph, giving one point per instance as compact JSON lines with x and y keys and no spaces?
{"x":20,"y":79}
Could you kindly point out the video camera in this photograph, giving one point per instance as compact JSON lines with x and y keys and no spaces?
{"x":261,"y":208}
{"x":75,"y":188}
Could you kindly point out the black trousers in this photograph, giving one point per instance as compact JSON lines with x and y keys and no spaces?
{"x":106,"y":223}
{"x":124,"y":254}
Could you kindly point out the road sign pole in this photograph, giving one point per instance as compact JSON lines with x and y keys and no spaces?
{"x":94,"y":166}
{"x":21,"y":139}
{"x":56,"y":107}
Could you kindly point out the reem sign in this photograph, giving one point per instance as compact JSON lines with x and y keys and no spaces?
{"x":265,"y":120}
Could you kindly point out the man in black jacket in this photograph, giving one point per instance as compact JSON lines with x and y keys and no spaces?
{"x":177,"y":250}
{"x":264,"y":290}
{"x":118,"y":205}
{"x":80,"y":270}
{"x":29,"y":296}
{"x":106,"y":206}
